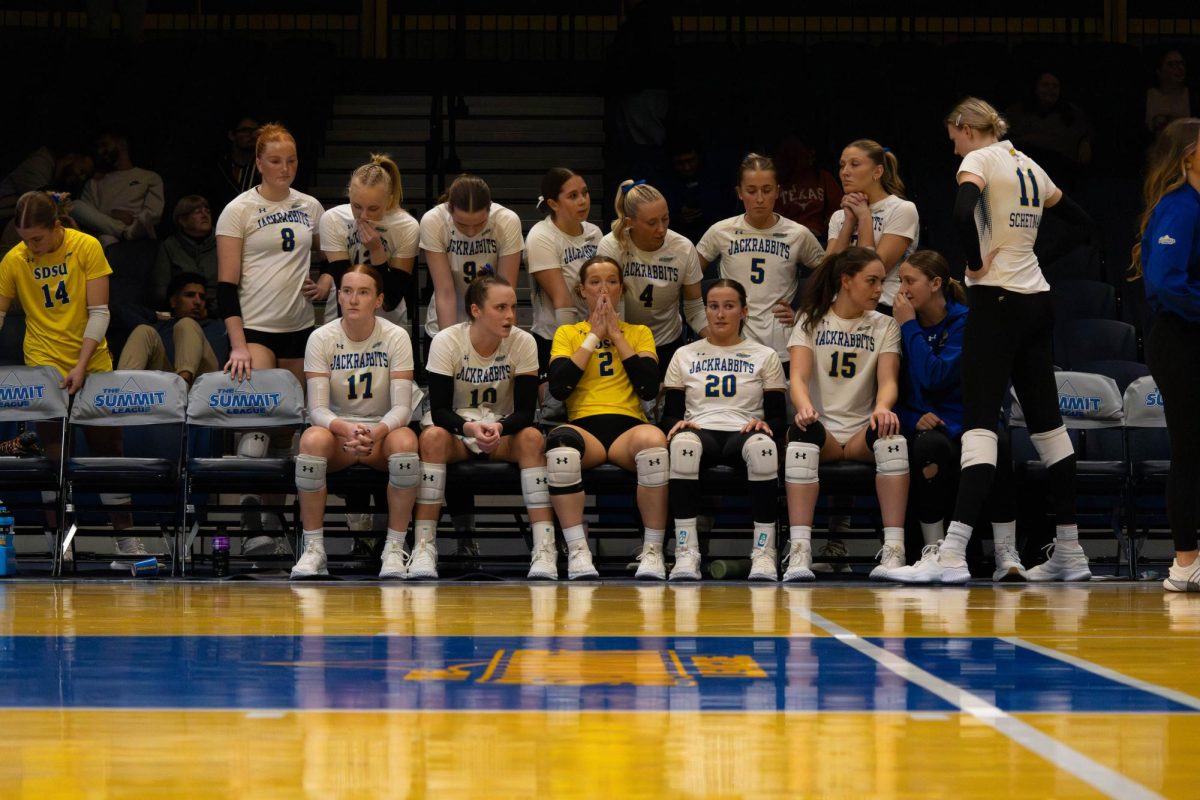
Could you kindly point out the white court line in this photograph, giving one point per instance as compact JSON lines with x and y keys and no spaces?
{"x":1093,"y":773}
{"x":1174,"y":695}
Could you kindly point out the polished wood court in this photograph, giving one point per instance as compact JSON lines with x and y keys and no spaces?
{"x":615,"y":689}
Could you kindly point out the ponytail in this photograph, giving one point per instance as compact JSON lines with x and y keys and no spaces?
{"x":826,"y":281}
{"x":631,"y":195}
{"x":380,"y":170}
{"x":884,"y":157}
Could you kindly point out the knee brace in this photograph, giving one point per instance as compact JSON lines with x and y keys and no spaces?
{"x":404,"y":470}
{"x":686,"y":449}
{"x":813,"y":434}
{"x":310,"y":473}
{"x":1053,"y":446}
{"x":759,"y":454}
{"x":564,"y":469}
{"x":535,"y":487}
{"x":978,"y":448}
{"x":891,"y":455}
{"x":802,"y":461}
{"x":563,"y":436}
{"x":431,"y":487}
{"x":253,"y":444}
{"x":652,"y":467}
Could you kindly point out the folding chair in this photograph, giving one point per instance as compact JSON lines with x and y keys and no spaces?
{"x":1093,"y":414}
{"x":270,"y":398}
{"x":1149,"y":456}
{"x":32,"y":394}
{"x":148,"y":407}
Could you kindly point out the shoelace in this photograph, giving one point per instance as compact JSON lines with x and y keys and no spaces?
{"x":930,"y":551}
{"x":793,"y":549}
{"x":1049,"y":550}
{"x":1008,"y":552}
{"x":886,"y":552}
{"x":547,"y":550}
{"x":650,"y":552}
{"x":833,"y":549}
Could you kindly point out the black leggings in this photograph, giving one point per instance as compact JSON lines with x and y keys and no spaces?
{"x":723,"y":447}
{"x":1175,"y":363}
{"x":1010,"y":336}
{"x":933,"y":496}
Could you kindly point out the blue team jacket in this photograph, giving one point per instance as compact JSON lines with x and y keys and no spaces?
{"x":1171,"y":254}
{"x":930,"y":379}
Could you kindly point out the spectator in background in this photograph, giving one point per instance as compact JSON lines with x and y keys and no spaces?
{"x":122,"y":201}
{"x":1170,"y":99}
{"x":1051,"y":129}
{"x":234,"y":171}
{"x":192,"y":248}
{"x":697,"y":200}
{"x":184,"y":343}
{"x":48,"y":168}
{"x":807,"y":194}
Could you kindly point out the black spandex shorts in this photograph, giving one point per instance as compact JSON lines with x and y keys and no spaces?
{"x":283,"y":345}
{"x":607,"y":427}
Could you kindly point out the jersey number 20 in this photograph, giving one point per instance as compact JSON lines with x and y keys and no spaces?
{"x":716,"y":386}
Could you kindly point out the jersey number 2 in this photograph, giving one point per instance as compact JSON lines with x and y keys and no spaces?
{"x":363,"y":380}
{"x":60,"y":294}
{"x":606,"y":367}
{"x":1025,"y":201}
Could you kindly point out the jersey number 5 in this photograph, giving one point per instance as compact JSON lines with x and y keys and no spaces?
{"x":757,"y":274}
{"x":363,"y":380}
{"x":1025,"y":201}
{"x":848,"y":367}
{"x":60,"y":294}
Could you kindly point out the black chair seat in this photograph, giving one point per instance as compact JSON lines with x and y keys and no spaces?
{"x":153,"y":474}
{"x":1084,"y":470}
{"x":1151,"y":470}
{"x":355,"y":477}
{"x":25,"y":472}
{"x":608,"y":476}
{"x":846,"y":476}
{"x":234,"y":469}
{"x":486,"y":477}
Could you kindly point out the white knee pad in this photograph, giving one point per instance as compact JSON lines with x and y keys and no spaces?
{"x":535,"y":487}
{"x":801,"y":463}
{"x":761,"y":461}
{"x":431,"y":485}
{"x":1053,"y":446}
{"x":310,"y":473}
{"x":891,"y":455}
{"x":978,"y":447}
{"x":564,"y":470}
{"x":116,"y":498}
{"x":404,"y":470}
{"x":253,"y":444}
{"x":652,"y":467}
{"x":686,"y":449}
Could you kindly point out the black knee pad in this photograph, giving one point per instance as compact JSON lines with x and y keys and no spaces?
{"x":564,"y":436}
{"x":815,"y":434}
{"x":931,"y":447}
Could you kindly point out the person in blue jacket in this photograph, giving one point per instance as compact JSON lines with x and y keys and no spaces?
{"x":932,"y":312}
{"x":1168,"y":257}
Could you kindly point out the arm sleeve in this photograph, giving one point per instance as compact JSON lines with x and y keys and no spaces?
{"x":693,"y":312}
{"x":525,"y":392}
{"x":673,"y":409}
{"x":643,"y":374}
{"x":927,"y":369}
{"x":400,"y":392}
{"x":964,"y":222}
{"x":441,"y":403}
{"x":395,"y":286}
{"x":564,"y":377}
{"x":775,"y":411}
{"x":337,"y":269}
{"x":319,"y":412}
{"x":1073,"y":214}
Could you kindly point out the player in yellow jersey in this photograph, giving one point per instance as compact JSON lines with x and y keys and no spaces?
{"x":600,"y":368}
{"x":60,"y":275}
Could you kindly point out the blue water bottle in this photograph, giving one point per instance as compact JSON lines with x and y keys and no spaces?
{"x":8,"y":548}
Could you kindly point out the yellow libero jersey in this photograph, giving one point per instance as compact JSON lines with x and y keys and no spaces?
{"x":53,"y":291}
{"x":604,"y":387}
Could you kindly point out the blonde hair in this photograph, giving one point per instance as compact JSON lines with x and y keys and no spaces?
{"x":754,"y":162}
{"x":1165,"y":172}
{"x":39,"y":209}
{"x":884,"y":157}
{"x":270,"y":133}
{"x":631,"y":195}
{"x":971,"y":112}
{"x":381,"y":170}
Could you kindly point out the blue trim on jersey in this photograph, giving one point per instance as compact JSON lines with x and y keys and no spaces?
{"x":1171,"y":254}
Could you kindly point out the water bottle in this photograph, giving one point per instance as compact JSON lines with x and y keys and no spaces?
{"x":8,"y":548}
{"x":729,"y":568}
{"x":220,"y":556}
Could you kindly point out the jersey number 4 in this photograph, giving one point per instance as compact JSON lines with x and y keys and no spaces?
{"x":1025,"y":201}
{"x":848,"y":367}
{"x":60,"y":294}
{"x":362,"y":381}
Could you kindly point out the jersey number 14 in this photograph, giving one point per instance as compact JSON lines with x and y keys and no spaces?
{"x":60,"y":294}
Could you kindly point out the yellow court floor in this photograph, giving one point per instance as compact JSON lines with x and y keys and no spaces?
{"x":195,"y":689}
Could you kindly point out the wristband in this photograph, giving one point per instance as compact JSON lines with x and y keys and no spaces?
{"x":590,"y":342}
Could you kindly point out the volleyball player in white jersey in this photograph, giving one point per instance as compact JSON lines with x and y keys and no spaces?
{"x":373,"y":229}
{"x":265,"y":240}
{"x":483,"y":386}
{"x":763,"y":252}
{"x":555,"y":249}
{"x":359,"y":370}
{"x":464,"y":237}
{"x":724,"y":403}
{"x":658,"y":265}
{"x":844,"y":383}
{"x":1002,"y":195}
{"x":874,"y":213}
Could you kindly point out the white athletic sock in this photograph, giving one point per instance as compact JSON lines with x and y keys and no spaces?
{"x":425,"y":530}
{"x":1068,"y":535}
{"x":956,"y":539}
{"x":575,"y":533}
{"x":931,"y":532}
{"x":394,"y":535}
{"x":685,"y":533}
{"x":316,"y":538}
{"x":542,"y":532}
{"x":764,"y":535}
{"x":797,"y":533}
{"x":1004,"y":534}
{"x":655,"y":536}
{"x":894,"y":536}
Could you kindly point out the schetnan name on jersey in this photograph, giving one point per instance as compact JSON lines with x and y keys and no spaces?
{"x":740,"y":363}
{"x":493,"y":374}
{"x":277,"y":217}
{"x":835,"y":338}
{"x":658,"y":272}
{"x":1024,"y":220}
{"x":365,"y":360}
{"x":471,"y":247}
{"x":756,"y":244}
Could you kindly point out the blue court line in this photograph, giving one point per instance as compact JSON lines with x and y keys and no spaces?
{"x":612,"y":673}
